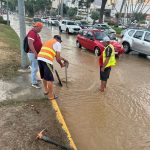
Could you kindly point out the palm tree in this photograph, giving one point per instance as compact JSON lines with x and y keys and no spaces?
{"x":122,"y":5}
{"x":102,"y":10}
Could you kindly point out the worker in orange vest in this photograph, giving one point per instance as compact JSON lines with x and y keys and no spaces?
{"x":50,"y":50}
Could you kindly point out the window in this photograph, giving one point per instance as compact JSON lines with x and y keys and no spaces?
{"x":147,"y":37}
{"x":138,"y":35}
{"x":64,"y":22}
{"x":90,"y":35}
{"x":130,"y":33}
{"x":71,"y":23}
{"x":100,"y":35}
{"x":105,"y":27}
{"x":81,"y":32}
{"x":84,"y":33}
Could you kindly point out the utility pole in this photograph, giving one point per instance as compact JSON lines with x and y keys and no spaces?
{"x":61,"y":10}
{"x":59,"y":6}
{"x":21,"y":9}
{"x":7,"y":14}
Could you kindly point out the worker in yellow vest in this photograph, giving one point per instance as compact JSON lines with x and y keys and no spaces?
{"x":46,"y":56}
{"x":106,"y":61}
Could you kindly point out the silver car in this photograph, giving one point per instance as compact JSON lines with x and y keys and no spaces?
{"x":105,"y":27}
{"x":137,"y":40}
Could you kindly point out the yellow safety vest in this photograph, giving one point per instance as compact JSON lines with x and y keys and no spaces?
{"x":47,"y":50}
{"x":112,"y":60}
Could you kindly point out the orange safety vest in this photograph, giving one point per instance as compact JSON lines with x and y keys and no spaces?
{"x":47,"y":51}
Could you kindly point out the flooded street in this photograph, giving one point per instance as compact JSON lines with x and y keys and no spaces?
{"x":118,"y":119}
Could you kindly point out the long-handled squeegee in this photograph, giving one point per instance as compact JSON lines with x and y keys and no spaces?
{"x":45,"y":138}
{"x":60,"y":83}
{"x":66,"y":66}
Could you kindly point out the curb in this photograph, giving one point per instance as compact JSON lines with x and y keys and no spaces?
{"x":62,"y":122}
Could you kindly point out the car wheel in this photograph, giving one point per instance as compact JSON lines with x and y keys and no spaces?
{"x":60,"y":29}
{"x":78,"y":44}
{"x":126,"y":47}
{"x":142,"y":55}
{"x":97,"y":51}
{"x":67,"y":30}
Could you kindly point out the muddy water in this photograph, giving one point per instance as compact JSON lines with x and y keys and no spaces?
{"x":118,"y":119}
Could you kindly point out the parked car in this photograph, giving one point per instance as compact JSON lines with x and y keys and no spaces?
{"x":44,"y":19}
{"x":69,"y":26}
{"x":53,"y":22}
{"x":36,"y":20}
{"x":137,"y":40}
{"x":83,"y":24}
{"x":92,"y":39}
{"x":125,"y":30}
{"x":104,"y":27}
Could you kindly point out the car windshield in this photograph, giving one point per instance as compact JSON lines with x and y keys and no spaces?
{"x":100,"y":35}
{"x":105,"y":27}
{"x":71,"y":23}
{"x":84,"y":23}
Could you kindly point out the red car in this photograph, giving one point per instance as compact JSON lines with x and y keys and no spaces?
{"x":92,"y":39}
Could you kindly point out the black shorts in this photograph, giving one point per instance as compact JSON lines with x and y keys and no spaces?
{"x":46,"y":71}
{"x":104,"y":75}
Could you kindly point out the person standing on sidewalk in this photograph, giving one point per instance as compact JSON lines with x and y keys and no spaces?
{"x":35,"y":44}
{"x":50,"y":50}
{"x":106,"y":61}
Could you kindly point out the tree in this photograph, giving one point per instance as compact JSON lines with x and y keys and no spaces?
{"x":102,"y":10}
{"x":95,"y":16}
{"x":72,"y":12}
{"x":65,"y":9}
{"x":12,"y":5}
{"x":139,"y":16}
{"x":36,"y":6}
{"x":122,"y":5}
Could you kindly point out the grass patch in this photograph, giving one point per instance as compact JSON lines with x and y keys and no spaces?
{"x":9,"y":36}
{"x":117,"y":29}
{"x":9,"y":51}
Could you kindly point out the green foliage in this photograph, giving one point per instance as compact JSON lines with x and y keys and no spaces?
{"x":53,"y":12}
{"x":117,"y":15}
{"x":78,"y":17}
{"x":1,"y":18}
{"x":3,"y":21}
{"x":72,"y":12}
{"x":12,"y":4}
{"x":33,"y":7}
{"x":65,"y":9}
{"x":95,"y":15}
{"x":117,"y":29}
{"x":9,"y":35}
{"x":139,"y":16}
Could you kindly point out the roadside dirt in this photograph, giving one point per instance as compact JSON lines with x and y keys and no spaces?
{"x":21,"y":121}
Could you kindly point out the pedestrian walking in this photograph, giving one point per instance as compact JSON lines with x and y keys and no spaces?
{"x":106,"y":61}
{"x":50,"y":50}
{"x":35,"y":44}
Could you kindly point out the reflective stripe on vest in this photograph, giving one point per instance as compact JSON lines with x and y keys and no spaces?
{"x":47,"y":51}
{"x":112,"y":60}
